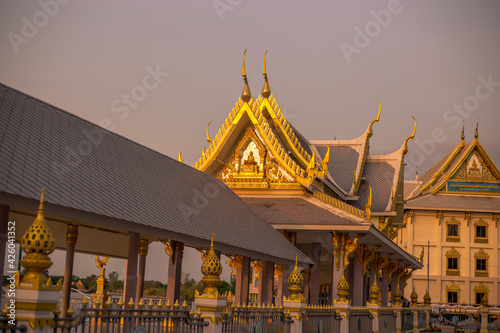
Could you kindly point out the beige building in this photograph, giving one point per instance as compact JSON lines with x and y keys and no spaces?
{"x":452,"y":211}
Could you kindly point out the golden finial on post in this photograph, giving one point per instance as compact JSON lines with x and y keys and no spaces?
{"x":427,"y":298}
{"x":412,"y":135}
{"x":246,"y":94}
{"x":211,"y":269}
{"x":37,"y":242}
{"x":295,"y":280}
{"x":414,"y":298}
{"x":343,"y":289}
{"x":266,"y":90}
{"x":368,"y":209}
{"x":374,"y":293}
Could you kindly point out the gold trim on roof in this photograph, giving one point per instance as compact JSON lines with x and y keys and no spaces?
{"x":339,"y":204}
{"x":209,"y":141}
{"x":412,"y":136}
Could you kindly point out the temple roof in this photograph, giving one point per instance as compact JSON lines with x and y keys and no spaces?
{"x":455,"y":203}
{"x":94,"y":176}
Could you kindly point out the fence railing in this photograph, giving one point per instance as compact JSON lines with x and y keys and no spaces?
{"x":252,"y":318}
{"x":360,"y":320}
{"x":5,"y":326}
{"x":149,"y":317}
{"x":387,"y":320}
{"x":324,"y":319}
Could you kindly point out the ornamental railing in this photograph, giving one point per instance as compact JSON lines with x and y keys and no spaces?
{"x":109,"y":317}
{"x":254,"y":318}
{"x":360,"y":320}
{"x":320,"y":319}
{"x":6,"y":325}
{"x":387,"y":320}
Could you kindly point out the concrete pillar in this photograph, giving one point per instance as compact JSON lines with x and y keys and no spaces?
{"x":266,"y":283}
{"x":71,"y":238}
{"x":278,"y":273}
{"x":143,"y":252}
{"x":402,"y":287}
{"x":131,"y":267}
{"x":315,"y":274}
{"x":394,"y":285}
{"x":4,"y":221}
{"x":357,"y":286}
{"x":336,"y":275}
{"x":174,"y":271}
{"x":242,"y":281}
{"x":384,"y":288}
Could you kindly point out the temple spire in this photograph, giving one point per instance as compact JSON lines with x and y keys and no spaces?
{"x":246,"y":94}
{"x":266,"y":90}
{"x":476,"y":134}
{"x":463,"y":131}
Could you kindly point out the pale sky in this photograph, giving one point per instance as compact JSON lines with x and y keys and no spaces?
{"x":328,"y":62}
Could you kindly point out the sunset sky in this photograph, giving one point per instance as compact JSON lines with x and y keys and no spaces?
{"x":159,"y":71}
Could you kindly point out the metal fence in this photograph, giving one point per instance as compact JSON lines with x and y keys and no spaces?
{"x":6,"y":327}
{"x":252,"y":318}
{"x":146,"y":318}
{"x":494,"y":322}
{"x":456,"y":320}
{"x":324,"y":319}
{"x":360,"y":320}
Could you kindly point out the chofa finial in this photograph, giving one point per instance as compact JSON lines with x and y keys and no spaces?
{"x":412,"y":135}
{"x":463,"y":131}
{"x":246,"y":94}
{"x":266,"y":90}
{"x":476,"y":134}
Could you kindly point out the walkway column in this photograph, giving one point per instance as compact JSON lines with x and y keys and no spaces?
{"x":242,"y":279}
{"x":315,"y":273}
{"x":174,"y":270}
{"x":394,"y":286}
{"x":357,"y":287}
{"x":278,"y":273}
{"x":131,"y":268}
{"x":71,"y":238}
{"x":143,"y":252}
{"x":385,"y":287}
{"x":266,"y":283}
{"x":4,"y":221}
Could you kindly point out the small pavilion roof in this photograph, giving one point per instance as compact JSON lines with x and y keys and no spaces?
{"x":95,"y":177}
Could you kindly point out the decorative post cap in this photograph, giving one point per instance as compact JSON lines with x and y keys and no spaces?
{"x":427,"y":298}
{"x":374,"y":293}
{"x":414,"y":298}
{"x":397,"y":296}
{"x":343,"y":289}
{"x":484,"y":301}
{"x":211,"y":269}
{"x":37,"y":242}
{"x":295,"y":280}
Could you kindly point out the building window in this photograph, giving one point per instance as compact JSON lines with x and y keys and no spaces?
{"x":479,"y":297}
{"x":481,"y":231}
{"x":481,"y":263}
{"x":452,"y":292}
{"x":452,"y":230}
{"x":452,"y":297}
{"x":453,"y":262}
{"x":481,"y":290}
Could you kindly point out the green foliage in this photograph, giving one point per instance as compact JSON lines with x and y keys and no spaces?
{"x":114,"y":284}
{"x":90,"y":283}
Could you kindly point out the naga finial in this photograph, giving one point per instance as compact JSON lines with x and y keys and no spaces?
{"x":209,"y":141}
{"x":370,"y":131}
{"x":179,"y":158}
{"x":463,"y":131}
{"x":246,"y":94}
{"x":266,"y":90}
{"x":412,"y":135}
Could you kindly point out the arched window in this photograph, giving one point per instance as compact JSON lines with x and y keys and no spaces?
{"x":453,"y":262}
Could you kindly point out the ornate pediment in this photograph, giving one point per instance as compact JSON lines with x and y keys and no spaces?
{"x":252,"y":166}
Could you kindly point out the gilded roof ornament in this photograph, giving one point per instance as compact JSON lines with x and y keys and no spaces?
{"x":368,"y":209}
{"x":463,"y":131}
{"x":211,"y":269}
{"x":412,"y":135}
{"x":266,"y":90}
{"x":295,"y":280}
{"x":208,"y":136}
{"x":179,"y":158}
{"x":370,"y":131}
{"x":476,"y":134}
{"x":38,"y":242}
{"x":246,"y":94}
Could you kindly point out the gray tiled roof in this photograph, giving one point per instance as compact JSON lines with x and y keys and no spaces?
{"x":341,"y":165}
{"x":409,"y":187}
{"x":303,"y":141}
{"x":43,"y":146}
{"x":379,"y":175}
{"x":294,"y":211}
{"x":455,"y":202}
